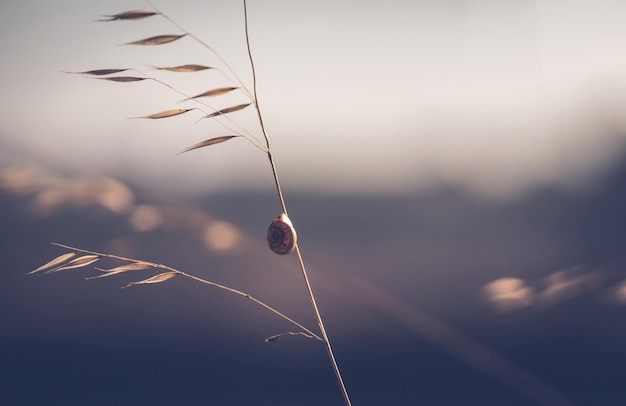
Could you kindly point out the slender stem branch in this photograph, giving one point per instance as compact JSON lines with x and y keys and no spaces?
{"x":237,"y":80}
{"x":255,"y":300}
{"x":258,"y":110}
{"x":318,"y":316}
{"x":204,"y":44}
{"x":206,"y":282}
{"x":250,"y":137}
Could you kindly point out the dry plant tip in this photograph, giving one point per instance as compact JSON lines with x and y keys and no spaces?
{"x":211,"y":93}
{"x":99,"y":72}
{"x":162,"y":277}
{"x":165,"y":114}
{"x":123,"y":79}
{"x":208,"y":142}
{"x":137,"y":266}
{"x":226,"y":111}
{"x":76,"y":263}
{"x":128,"y":15}
{"x":54,"y":263}
{"x":156,"y":40}
{"x":183,"y":68}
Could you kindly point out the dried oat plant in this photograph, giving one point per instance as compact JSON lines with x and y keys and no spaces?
{"x":281,"y":233}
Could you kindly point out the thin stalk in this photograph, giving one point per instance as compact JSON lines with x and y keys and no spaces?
{"x":198,"y":279}
{"x":255,"y":300}
{"x":318,"y":316}
{"x":260,"y":116}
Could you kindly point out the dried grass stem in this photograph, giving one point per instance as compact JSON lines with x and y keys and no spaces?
{"x":318,"y":316}
{"x":198,"y":279}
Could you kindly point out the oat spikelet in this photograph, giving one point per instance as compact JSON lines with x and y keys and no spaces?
{"x":99,"y":72}
{"x":129,"y":15}
{"x":162,"y":277}
{"x":215,"y":92}
{"x":55,"y":262}
{"x":77,"y":263}
{"x":167,"y":113}
{"x":137,"y":266}
{"x":123,"y":79}
{"x":208,"y":142}
{"x":157,"y":40}
{"x":183,"y":68}
{"x":227,"y":110}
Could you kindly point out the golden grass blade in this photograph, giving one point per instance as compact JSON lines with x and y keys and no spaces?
{"x":123,"y":79}
{"x":157,"y":40}
{"x":55,"y":262}
{"x":138,"y":266}
{"x":183,"y":68}
{"x":129,"y":15}
{"x":162,"y":277}
{"x":167,"y":113}
{"x":77,"y":263}
{"x":208,"y":142}
{"x":215,"y":92}
{"x":228,"y":110}
{"x":99,"y":72}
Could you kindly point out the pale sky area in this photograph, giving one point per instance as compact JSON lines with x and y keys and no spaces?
{"x":358,"y":96}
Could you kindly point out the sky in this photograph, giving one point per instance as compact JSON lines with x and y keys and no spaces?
{"x":358,"y":97}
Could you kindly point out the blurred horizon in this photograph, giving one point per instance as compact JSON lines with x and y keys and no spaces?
{"x":397,"y":98}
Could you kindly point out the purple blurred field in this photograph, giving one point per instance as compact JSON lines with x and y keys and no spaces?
{"x":401,"y":284}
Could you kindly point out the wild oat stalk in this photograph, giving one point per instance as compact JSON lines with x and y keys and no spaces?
{"x":318,"y":316}
{"x":281,"y":236}
{"x":71,"y":260}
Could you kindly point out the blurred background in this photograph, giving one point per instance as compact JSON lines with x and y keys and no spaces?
{"x":455,"y":171}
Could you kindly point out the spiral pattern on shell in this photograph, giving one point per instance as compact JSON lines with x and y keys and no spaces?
{"x":281,"y":235}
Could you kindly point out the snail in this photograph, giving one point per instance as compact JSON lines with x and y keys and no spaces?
{"x":281,"y":235}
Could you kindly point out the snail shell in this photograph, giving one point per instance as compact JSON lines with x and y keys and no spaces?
{"x":281,"y":236}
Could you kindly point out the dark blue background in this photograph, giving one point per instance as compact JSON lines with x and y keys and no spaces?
{"x":399,"y":282}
